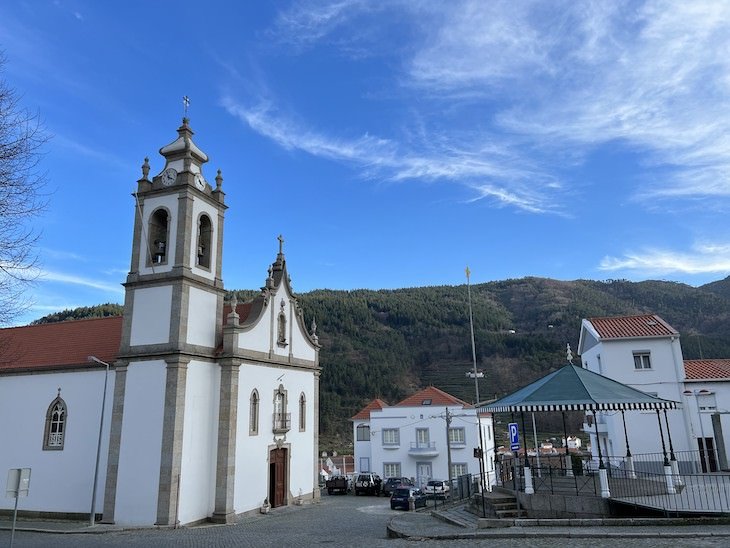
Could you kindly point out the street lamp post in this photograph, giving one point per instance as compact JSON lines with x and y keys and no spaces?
{"x":92,"y":517}
{"x":697,"y":394}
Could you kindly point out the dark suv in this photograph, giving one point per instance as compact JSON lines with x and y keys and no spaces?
{"x":392,"y":483}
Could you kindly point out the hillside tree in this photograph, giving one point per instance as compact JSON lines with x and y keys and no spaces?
{"x":21,"y":199}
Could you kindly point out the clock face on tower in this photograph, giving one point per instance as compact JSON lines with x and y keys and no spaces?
{"x":199,"y":181}
{"x":169,"y":176}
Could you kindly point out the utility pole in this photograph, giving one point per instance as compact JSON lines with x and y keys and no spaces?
{"x":448,"y":442}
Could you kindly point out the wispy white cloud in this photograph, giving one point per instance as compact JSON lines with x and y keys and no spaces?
{"x":60,"y":254}
{"x":704,"y":258}
{"x":567,"y":76}
{"x":306,"y":22}
{"x":98,"y":154}
{"x":73,"y":279}
{"x":485,"y":168}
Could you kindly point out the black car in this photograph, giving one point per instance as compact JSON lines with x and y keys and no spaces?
{"x":400,"y":496}
{"x":391,"y":483}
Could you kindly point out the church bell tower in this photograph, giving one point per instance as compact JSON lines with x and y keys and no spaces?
{"x":172,"y":326}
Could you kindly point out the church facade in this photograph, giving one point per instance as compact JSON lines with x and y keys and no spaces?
{"x":211,"y":408}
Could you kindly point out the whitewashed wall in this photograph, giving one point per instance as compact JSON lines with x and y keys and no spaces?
{"x":262,"y":336}
{"x":61,"y":481}
{"x":139,"y":456}
{"x":252,"y":452}
{"x":151,"y":315}
{"x":200,"y":439}
{"x":615,"y":359}
{"x":201,"y":317}
{"x":361,"y":449}
{"x":721,"y":392}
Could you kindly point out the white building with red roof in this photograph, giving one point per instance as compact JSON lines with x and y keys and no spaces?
{"x":422,"y":436}
{"x":645,"y":352}
{"x":210,"y":408}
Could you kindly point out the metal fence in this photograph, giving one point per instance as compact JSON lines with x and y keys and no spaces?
{"x":640,"y":481}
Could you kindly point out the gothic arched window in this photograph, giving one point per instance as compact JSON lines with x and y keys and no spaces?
{"x":205,"y":232}
{"x":302,"y":412}
{"x":159,"y":236}
{"x":253,"y":422}
{"x":55,"y":430}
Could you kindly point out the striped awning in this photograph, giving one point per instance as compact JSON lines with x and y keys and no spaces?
{"x":573,"y":388}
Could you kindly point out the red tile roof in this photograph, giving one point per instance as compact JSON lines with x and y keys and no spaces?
{"x":434,"y":396}
{"x":364,"y":414}
{"x":629,"y":327}
{"x":60,"y":345}
{"x":707,"y":369}
{"x":242,"y":309}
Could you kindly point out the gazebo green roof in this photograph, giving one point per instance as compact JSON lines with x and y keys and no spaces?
{"x":572,"y":388}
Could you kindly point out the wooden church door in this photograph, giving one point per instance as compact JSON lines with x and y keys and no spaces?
{"x":277,"y":477}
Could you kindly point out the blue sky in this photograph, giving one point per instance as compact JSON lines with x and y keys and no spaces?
{"x":391,"y":143}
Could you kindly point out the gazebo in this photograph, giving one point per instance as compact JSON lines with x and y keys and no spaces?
{"x":573,"y":388}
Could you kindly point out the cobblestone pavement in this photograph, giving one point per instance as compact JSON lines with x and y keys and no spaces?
{"x":362,"y":521}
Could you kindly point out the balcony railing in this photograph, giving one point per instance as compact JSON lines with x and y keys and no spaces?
{"x":423,"y":449}
{"x":282,"y":423}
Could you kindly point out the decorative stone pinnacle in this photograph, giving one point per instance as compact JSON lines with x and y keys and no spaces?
{"x":218,"y":180}
{"x":569,"y":354}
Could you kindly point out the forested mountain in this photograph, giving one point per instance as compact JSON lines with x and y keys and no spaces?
{"x":389,"y":343}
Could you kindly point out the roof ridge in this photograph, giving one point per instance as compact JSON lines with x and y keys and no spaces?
{"x":62,"y":322}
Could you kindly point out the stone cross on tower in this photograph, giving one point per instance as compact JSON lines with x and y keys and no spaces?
{"x":281,"y":244}
{"x":186,"y":104}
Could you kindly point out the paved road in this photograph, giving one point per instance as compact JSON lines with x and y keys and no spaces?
{"x":335,"y":521}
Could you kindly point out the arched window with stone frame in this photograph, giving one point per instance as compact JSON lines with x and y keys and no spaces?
{"x":205,"y":237}
{"x":54,"y":433}
{"x":159,"y":236}
{"x":253,"y":421}
{"x":302,"y":412}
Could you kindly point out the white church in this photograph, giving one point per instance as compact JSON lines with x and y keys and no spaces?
{"x":208,"y":409}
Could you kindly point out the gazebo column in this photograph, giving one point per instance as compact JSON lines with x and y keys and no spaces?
{"x":529,"y":489}
{"x":672,"y":459}
{"x":630,"y":472}
{"x":602,"y":473}
{"x":568,"y":463}
{"x":667,"y":467}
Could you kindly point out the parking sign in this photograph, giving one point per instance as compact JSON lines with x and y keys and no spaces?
{"x":514,"y":437}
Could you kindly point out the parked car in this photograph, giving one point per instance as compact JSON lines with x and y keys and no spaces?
{"x":401,"y":495}
{"x":368,"y":483}
{"x":391,"y":483}
{"x":437,"y":489}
